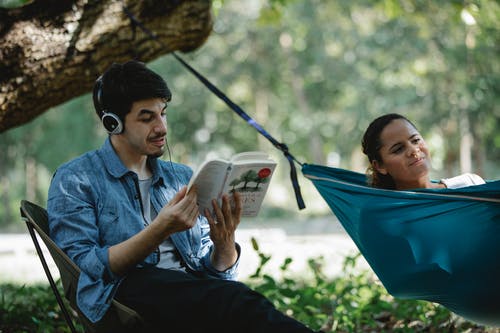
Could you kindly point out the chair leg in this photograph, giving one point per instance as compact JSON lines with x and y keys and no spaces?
{"x":51,"y":280}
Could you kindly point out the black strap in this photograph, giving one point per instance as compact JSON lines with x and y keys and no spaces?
{"x":281,"y":146}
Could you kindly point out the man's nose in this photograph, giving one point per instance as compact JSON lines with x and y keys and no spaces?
{"x":160,"y":125}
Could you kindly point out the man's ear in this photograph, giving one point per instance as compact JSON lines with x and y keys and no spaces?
{"x":379,"y":167}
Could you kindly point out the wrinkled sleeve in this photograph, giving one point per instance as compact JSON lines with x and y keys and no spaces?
{"x":467,"y":179}
{"x":72,"y":210}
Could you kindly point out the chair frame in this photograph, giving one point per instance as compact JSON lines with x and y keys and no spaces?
{"x":118,"y":316}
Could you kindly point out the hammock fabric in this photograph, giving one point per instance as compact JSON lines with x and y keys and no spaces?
{"x":441,"y":246}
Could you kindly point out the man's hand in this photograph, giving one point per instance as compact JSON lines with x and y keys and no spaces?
{"x":178,"y":215}
{"x":181,"y":212}
{"x":222,"y":231}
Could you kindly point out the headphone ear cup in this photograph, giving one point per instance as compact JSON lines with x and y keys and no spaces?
{"x":112,"y":123}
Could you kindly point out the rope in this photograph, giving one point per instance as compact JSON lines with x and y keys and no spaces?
{"x":233,"y":106}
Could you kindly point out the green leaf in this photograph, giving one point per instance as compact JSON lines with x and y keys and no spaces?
{"x":9,"y":4}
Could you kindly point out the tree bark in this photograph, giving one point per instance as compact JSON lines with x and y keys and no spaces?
{"x":52,"y":51}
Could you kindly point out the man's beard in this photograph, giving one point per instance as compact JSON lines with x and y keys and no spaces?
{"x":158,"y":154}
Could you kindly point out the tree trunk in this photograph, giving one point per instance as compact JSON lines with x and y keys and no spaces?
{"x":261,"y":113}
{"x":7,"y":217}
{"x":31,"y":179}
{"x":315,"y":145}
{"x":52,"y":51}
{"x":465,"y":144}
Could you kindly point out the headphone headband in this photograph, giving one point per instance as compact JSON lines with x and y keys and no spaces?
{"x":97,"y":96}
{"x":111,"y":122}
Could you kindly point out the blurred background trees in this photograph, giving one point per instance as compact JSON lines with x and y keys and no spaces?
{"x":313,"y":74}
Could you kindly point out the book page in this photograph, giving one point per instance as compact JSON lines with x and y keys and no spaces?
{"x":209,"y":180}
{"x":250,"y":156}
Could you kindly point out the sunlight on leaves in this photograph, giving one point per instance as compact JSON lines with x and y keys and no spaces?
{"x":9,"y":4}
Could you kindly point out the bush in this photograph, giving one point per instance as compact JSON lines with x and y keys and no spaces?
{"x":26,"y":309}
{"x":354,"y":302}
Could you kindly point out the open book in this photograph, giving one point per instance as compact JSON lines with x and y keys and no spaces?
{"x":248,"y":173}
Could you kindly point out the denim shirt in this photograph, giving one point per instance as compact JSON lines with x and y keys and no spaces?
{"x":94,"y":203}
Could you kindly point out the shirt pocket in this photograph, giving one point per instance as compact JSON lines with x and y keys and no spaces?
{"x":118,"y":222}
{"x":107,"y":222}
{"x":108,"y":214}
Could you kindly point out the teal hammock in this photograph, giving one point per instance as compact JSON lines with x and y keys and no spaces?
{"x":436,"y":245}
{"x":441,"y":246}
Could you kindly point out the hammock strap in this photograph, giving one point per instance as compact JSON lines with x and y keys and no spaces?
{"x":233,"y":106}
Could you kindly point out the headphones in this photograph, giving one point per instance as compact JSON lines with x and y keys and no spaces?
{"x":111,"y":122}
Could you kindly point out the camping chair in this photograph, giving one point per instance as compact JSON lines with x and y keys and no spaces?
{"x":119,"y":317}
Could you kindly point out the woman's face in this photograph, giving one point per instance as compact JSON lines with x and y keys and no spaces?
{"x":404,"y":155}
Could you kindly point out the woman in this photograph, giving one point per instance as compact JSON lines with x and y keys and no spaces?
{"x":399,"y":157}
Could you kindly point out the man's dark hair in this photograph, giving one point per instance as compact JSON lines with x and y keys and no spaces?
{"x":123,"y":84}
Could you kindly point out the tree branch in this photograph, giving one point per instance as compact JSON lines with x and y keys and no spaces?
{"x":52,"y":51}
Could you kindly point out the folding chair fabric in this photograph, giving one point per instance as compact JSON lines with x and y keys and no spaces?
{"x":119,"y":317}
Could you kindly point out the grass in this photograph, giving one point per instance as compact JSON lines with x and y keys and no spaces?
{"x":354,"y":302}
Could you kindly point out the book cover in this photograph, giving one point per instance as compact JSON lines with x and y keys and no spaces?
{"x":248,"y":173}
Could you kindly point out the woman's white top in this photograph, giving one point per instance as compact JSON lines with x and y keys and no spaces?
{"x":467,"y":179}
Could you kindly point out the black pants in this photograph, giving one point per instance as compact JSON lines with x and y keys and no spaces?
{"x":174,"y":301}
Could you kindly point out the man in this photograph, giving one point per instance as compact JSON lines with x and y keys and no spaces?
{"x":127,"y":220}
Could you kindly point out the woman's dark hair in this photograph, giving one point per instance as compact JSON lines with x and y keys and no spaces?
{"x":123,"y":84}
{"x":371,"y":148}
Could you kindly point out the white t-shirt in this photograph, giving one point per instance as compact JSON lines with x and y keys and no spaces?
{"x":169,"y":256}
{"x":467,"y":179}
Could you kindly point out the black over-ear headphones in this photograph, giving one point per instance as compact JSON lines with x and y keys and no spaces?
{"x":111,"y":122}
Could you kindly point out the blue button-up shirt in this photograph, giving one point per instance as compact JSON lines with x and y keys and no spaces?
{"x":94,"y":203}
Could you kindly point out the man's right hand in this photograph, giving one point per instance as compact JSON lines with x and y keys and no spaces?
{"x":180,"y":213}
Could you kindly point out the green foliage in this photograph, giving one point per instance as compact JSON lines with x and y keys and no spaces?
{"x":30,"y":309}
{"x":46,"y":142}
{"x":313,"y":74}
{"x":9,"y":4}
{"x":316,"y":73}
{"x":353,"y":302}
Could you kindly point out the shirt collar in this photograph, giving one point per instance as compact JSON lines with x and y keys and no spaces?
{"x":115,"y":166}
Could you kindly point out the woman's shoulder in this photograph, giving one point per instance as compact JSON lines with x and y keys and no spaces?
{"x":464,"y":180}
